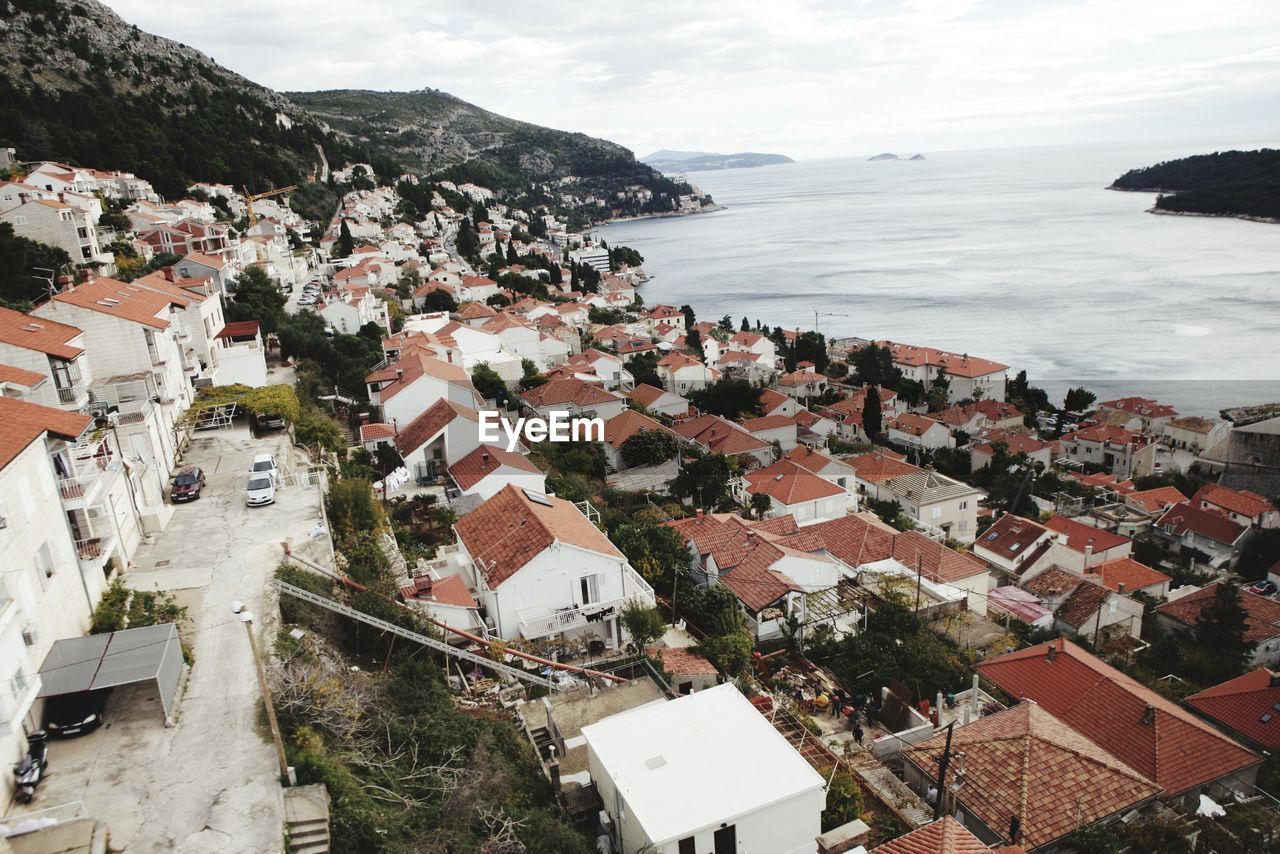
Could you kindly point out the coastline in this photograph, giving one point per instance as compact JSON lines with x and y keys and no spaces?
{"x":1266,"y":220}
{"x":672,"y":215}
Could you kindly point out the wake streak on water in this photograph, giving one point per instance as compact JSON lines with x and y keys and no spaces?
{"x":1016,"y":255}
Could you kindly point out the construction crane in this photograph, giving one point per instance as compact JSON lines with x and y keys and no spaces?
{"x":816,"y":313}
{"x":250,"y":198}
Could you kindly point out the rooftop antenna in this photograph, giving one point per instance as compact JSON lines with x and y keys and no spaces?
{"x":48,"y":276}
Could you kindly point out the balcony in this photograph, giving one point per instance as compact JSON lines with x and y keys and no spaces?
{"x":74,"y":395}
{"x":82,"y":490}
{"x":578,"y":616}
{"x":95,"y":551}
{"x":18,"y":695}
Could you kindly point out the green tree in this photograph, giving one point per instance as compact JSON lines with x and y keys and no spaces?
{"x":693,"y":340}
{"x":531,"y":377}
{"x":644,"y":368}
{"x":844,"y":800}
{"x":809,"y":347}
{"x":649,"y":447}
{"x":746,"y":325}
{"x":730,"y":653}
{"x":353,"y":510}
{"x":704,"y":479}
{"x":439,"y":300}
{"x":728,"y":397}
{"x":19,"y":260}
{"x":1078,"y":400}
{"x":488,"y":383}
{"x":258,"y":298}
{"x":346,"y":243}
{"x":760,"y":504}
{"x":644,"y":625}
{"x":873,"y":365}
{"x":872,"y":417}
{"x":1222,"y":624}
{"x":690,"y":319}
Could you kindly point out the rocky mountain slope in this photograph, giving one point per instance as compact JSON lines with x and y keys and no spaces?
{"x":79,"y":84}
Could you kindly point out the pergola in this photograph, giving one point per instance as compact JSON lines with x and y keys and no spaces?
{"x":126,"y":657}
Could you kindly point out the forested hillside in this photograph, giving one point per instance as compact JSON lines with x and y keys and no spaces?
{"x":1226,"y":183}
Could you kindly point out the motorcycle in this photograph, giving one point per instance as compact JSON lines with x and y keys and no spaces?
{"x":28,"y":773}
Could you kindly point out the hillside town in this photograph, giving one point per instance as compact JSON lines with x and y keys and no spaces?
{"x":801,"y":594}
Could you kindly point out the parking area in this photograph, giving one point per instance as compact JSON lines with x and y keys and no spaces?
{"x":209,"y":782}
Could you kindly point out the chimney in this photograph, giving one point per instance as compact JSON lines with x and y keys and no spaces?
{"x":364,"y":419}
{"x":399,"y":374}
{"x":1120,"y":587}
{"x":66,"y":284}
{"x":1149,"y":715}
{"x":484,"y":457}
{"x":699,"y":513}
{"x":86,"y":275}
{"x":1053,"y":652}
{"x":1274,"y":681}
{"x":168,"y":273}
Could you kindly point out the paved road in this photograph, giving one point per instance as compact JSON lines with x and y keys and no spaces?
{"x":209,"y":783}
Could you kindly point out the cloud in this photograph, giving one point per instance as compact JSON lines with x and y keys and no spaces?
{"x":806,"y":77}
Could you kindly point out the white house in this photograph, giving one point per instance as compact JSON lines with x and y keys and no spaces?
{"x":443,"y":434}
{"x":774,"y":428}
{"x":681,"y":374}
{"x":967,"y":376}
{"x":541,"y":568}
{"x":828,"y":468}
{"x":1194,"y":433}
{"x":706,"y":772}
{"x":937,"y":501}
{"x":489,"y":469}
{"x":917,"y":431}
{"x":51,"y":355}
{"x":404,"y":389}
{"x":574,"y":396}
{"x":658,"y":401}
{"x":624,"y":425}
{"x":797,"y":492}
{"x":241,"y":355}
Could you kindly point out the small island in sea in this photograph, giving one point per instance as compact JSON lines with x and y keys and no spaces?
{"x":888,"y":155}
{"x":1242,"y":184}
{"x":667,"y":160}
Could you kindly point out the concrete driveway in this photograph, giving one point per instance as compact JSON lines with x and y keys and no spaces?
{"x":208,"y":783}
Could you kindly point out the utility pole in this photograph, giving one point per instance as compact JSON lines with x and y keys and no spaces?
{"x":246,"y":617}
{"x":942,"y":774}
{"x":917,"y":582}
{"x":675,"y":583}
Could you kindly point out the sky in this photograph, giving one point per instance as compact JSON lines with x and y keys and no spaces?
{"x":806,"y":78}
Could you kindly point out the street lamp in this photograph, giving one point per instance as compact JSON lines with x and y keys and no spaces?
{"x":246,"y":616}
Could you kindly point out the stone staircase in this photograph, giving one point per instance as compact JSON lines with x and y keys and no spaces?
{"x":306,"y":819}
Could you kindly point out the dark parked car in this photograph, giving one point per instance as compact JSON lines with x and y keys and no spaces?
{"x":187,"y":485}
{"x":74,"y":714}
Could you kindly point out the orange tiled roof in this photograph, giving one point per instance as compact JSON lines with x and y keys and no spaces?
{"x":788,"y":483}
{"x":682,"y":662}
{"x":1159,"y":739}
{"x":1246,"y":704}
{"x":38,"y":334}
{"x":24,"y":422}
{"x":1263,"y":614}
{"x":876,"y":466}
{"x":575,"y":391}
{"x":1126,"y":575}
{"x":627,"y":423}
{"x":1081,"y":536}
{"x":484,"y":461}
{"x":20,"y":376}
{"x":450,"y":590}
{"x":120,"y":299}
{"x":1155,"y":500}
{"x":1025,"y":762}
{"x":1240,"y":501}
{"x":510,"y":529}
{"x":957,"y":364}
{"x":945,"y":836}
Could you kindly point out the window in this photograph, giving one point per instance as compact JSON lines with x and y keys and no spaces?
{"x":964,"y":505}
{"x":688,"y":846}
{"x":727,"y":840}
{"x":937,"y":512}
{"x":20,"y":220}
{"x":590,"y":586}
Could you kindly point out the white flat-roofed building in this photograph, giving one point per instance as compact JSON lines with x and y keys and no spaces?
{"x":704,"y":773}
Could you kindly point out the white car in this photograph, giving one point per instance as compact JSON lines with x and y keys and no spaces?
{"x":307,"y":301}
{"x":265,"y":464}
{"x":261,"y":490}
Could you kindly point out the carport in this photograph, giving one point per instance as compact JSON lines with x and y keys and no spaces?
{"x":126,"y":657}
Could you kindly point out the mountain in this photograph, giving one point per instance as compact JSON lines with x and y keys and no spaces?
{"x":79,"y":84}
{"x":888,"y":155}
{"x":1243,"y":184}
{"x":432,"y":132}
{"x":703,"y":161}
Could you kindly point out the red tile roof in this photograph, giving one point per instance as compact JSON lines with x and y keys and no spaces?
{"x":423,"y":429}
{"x":1155,"y":500}
{"x":1263,"y":619}
{"x":119,"y":299}
{"x":767,"y":422}
{"x":956,"y":364}
{"x":1126,"y":575}
{"x":1011,"y":536}
{"x":912,"y":424}
{"x":38,"y":334}
{"x":1015,"y":443}
{"x":1181,"y":518}
{"x":1080,"y":536}
{"x":682,"y":662}
{"x":744,"y":555}
{"x":719,"y":435}
{"x":628,"y":423}
{"x":1240,"y":501}
{"x":1248,"y":704}
{"x":20,"y":376}
{"x":450,"y":590}
{"x":484,"y":461}
{"x":945,"y":836}
{"x":510,"y":529}
{"x":1139,"y":406}
{"x":1025,"y":762}
{"x":645,"y":394}
{"x":560,"y":392}
{"x":239,"y":329}
{"x":876,"y":466}
{"x":1159,"y":739}
{"x":814,"y":461}
{"x":376,"y":431}
{"x":788,"y":484}
{"x":21,"y":423}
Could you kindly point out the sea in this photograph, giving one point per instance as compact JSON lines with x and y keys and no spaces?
{"x":1016,"y":255}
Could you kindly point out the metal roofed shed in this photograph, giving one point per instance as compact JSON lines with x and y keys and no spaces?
{"x":126,"y":657}
{"x":707,"y":767}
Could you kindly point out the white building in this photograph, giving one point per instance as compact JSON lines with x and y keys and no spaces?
{"x":703,"y":773}
{"x":937,"y":501}
{"x":968,"y":376}
{"x":540,"y":568}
